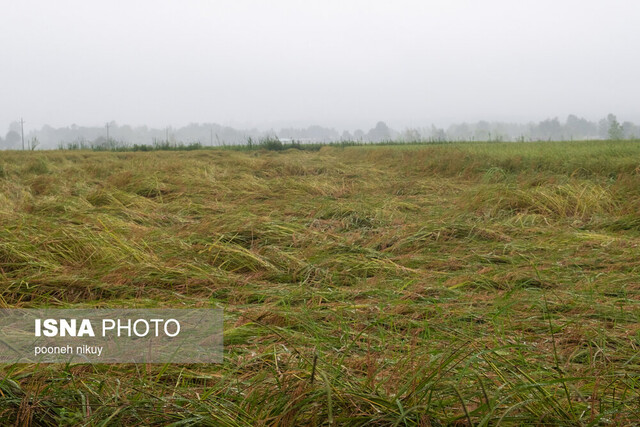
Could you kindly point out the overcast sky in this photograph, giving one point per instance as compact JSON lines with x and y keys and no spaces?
{"x":344,"y":63}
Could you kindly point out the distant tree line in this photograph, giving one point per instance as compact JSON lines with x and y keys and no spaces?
{"x":113,"y":135}
{"x":573,"y":128}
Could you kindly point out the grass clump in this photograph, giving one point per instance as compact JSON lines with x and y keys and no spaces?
{"x":38,"y":166}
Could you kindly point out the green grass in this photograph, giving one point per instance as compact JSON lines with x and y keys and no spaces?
{"x":407,"y":285}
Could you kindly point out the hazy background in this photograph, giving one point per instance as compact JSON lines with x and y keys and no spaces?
{"x":343,"y":64}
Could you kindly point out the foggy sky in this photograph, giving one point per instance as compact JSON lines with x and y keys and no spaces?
{"x":345,"y":64}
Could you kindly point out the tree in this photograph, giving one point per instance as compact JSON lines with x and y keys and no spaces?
{"x":630,"y":130}
{"x":616,"y":132}
{"x":437,"y":134}
{"x":482,"y":131}
{"x":460,"y":132}
{"x":379,"y":133}
{"x":12,"y":140}
{"x":33,"y":143}
{"x":411,"y":135}
{"x":346,"y":136}
{"x":580,"y":127}
{"x":549,"y":129}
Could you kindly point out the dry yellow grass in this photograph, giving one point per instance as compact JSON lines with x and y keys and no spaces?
{"x":421,"y":285}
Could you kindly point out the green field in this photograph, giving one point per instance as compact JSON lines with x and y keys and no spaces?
{"x":411,"y":285}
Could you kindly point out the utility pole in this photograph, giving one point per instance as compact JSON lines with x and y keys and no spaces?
{"x":167,"y":134}
{"x":211,"y":139}
{"x":107,"y":126}
{"x":22,"y":132}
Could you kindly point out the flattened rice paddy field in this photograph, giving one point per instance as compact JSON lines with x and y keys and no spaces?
{"x":409,"y":285}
